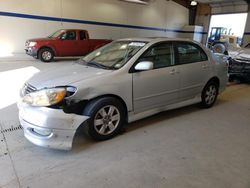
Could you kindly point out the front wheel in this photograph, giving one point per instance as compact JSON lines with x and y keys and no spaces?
{"x":107,"y":116}
{"x":209,"y":95}
{"x":46,"y":54}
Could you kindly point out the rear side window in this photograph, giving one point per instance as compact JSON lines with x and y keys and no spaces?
{"x":189,"y":53}
{"x":161,"y":55}
{"x":82,"y":35}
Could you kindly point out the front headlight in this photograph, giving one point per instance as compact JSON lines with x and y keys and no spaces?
{"x":45,"y":97}
{"x":31,"y":44}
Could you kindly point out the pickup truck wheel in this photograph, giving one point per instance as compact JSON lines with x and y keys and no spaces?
{"x":46,"y":54}
{"x":209,"y":94}
{"x":107,"y":116}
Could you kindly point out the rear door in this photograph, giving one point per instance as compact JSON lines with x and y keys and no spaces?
{"x":194,"y":67}
{"x":160,"y":86}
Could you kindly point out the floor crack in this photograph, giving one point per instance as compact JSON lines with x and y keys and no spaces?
{"x":9,"y":154}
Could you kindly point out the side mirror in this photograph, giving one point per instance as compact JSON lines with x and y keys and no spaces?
{"x":63,"y":36}
{"x":144,"y":65}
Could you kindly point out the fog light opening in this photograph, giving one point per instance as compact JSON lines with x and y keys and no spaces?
{"x":44,"y":132}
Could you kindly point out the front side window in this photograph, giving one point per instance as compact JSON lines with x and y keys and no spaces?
{"x":161,"y":55}
{"x":114,"y":55}
{"x":189,"y":53}
{"x":69,"y":35}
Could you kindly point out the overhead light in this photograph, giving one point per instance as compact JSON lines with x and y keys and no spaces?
{"x":144,"y":2}
{"x":193,"y":3}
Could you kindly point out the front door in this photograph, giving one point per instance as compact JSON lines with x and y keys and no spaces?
{"x":160,"y":86}
{"x":67,"y":46}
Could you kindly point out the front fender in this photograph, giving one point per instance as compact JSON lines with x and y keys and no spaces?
{"x":48,"y":45}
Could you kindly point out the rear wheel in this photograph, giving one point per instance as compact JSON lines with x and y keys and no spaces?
{"x":107,"y":116}
{"x":219,"y":48}
{"x":46,"y":54}
{"x":209,"y":94}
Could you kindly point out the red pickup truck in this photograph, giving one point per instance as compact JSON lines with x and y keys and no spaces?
{"x":65,"y":42}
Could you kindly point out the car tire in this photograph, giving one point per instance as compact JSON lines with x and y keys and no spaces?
{"x":219,"y":48}
{"x":209,"y":94}
{"x":107,"y":117}
{"x":46,"y":55}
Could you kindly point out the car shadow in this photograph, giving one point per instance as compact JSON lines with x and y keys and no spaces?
{"x":82,"y":142}
{"x":162,"y":116}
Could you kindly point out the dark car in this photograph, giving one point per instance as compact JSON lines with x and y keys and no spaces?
{"x":239,"y":69}
{"x":239,"y":65}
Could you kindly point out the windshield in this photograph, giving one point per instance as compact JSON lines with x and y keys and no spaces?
{"x":224,"y":31}
{"x":56,"y":34}
{"x":113,"y":55}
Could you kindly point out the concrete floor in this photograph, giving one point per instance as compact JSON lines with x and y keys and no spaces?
{"x":189,"y":147}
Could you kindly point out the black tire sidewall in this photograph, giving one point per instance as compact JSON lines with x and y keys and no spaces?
{"x":41,"y":51}
{"x":203,"y":102}
{"x":93,"y":107}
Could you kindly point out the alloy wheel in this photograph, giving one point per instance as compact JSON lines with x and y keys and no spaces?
{"x":107,"y":120}
{"x":46,"y":55}
{"x":210,"y":94}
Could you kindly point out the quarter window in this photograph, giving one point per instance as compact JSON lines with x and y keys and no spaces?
{"x":189,"y":53}
{"x":82,"y":35}
{"x":161,"y":55}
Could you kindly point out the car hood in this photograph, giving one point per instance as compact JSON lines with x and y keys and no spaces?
{"x":243,"y":54}
{"x":65,"y":75}
{"x":40,"y":39}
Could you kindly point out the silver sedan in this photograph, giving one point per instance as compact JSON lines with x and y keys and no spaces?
{"x":121,"y":82}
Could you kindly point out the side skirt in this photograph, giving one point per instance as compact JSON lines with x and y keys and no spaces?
{"x":134,"y":117}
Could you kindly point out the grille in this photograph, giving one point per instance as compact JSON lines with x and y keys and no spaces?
{"x":28,"y":89}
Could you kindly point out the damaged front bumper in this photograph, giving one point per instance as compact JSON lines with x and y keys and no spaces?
{"x":32,"y":51}
{"x":47,"y":127}
{"x":239,"y":69}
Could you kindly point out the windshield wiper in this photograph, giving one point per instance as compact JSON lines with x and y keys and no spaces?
{"x":81,"y":61}
{"x":98,"y":65}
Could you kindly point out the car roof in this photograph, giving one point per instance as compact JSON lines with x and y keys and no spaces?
{"x":72,"y":29}
{"x":156,"y":39}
